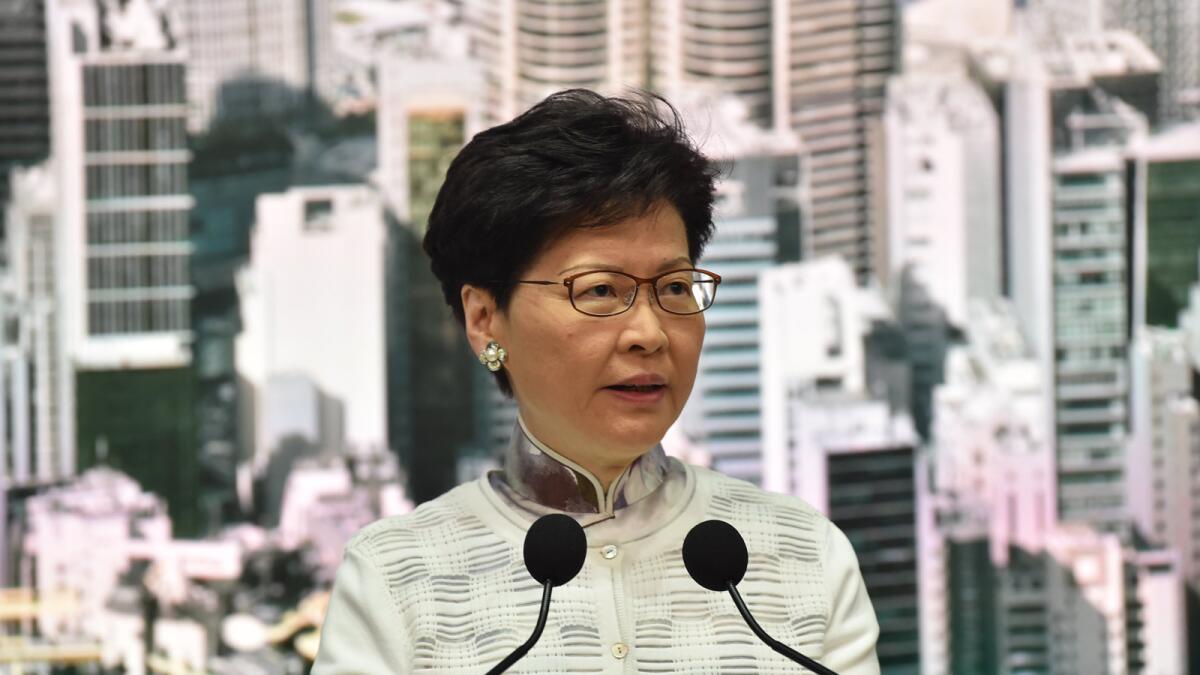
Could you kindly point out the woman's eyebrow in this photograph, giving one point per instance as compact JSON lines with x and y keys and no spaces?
{"x":681,"y":260}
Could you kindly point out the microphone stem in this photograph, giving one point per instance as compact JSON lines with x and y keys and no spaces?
{"x":537,"y":633}
{"x":772,"y":642}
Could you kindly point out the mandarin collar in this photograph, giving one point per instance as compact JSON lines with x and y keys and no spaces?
{"x":535,"y":472}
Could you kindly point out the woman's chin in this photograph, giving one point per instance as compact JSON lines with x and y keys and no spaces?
{"x":633,"y":437}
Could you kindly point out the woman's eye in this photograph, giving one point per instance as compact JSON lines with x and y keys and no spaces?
{"x":677,"y":288}
{"x":602,"y":291}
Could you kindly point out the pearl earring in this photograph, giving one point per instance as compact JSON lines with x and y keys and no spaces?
{"x":493,"y":356}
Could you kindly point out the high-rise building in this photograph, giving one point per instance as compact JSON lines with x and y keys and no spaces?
{"x":1071,"y":110}
{"x":120,"y":153}
{"x":993,"y":452}
{"x":37,"y":426}
{"x":820,"y":333}
{"x":1171,"y":28}
{"x":25,"y":110}
{"x":429,"y":107}
{"x":830,"y":64}
{"x":1036,"y":88}
{"x":1166,"y":243}
{"x":715,"y":47}
{"x":1090,"y":254}
{"x":857,"y":462}
{"x":1163,"y":465}
{"x":944,"y":236}
{"x":1057,"y":599}
{"x":249,"y":58}
{"x":532,"y":48}
{"x":1087,"y":604}
{"x":757,"y":220}
{"x":994,"y":484}
{"x":328,"y":328}
{"x":833,"y":434}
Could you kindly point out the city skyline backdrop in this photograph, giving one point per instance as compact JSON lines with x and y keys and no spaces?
{"x":960,"y":310}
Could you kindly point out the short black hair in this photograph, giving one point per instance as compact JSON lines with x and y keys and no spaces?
{"x":576,"y":159}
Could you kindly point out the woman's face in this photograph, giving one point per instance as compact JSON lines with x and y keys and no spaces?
{"x":566,"y":367}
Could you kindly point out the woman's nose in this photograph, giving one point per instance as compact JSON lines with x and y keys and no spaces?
{"x":645,"y":329}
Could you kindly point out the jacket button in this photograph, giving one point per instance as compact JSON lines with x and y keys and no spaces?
{"x":620,"y":650}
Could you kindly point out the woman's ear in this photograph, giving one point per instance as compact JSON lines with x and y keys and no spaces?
{"x":480,"y":315}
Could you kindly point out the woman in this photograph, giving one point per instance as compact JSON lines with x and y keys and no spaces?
{"x":565,"y":242}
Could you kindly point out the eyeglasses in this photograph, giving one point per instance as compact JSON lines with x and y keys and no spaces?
{"x":605,"y":293}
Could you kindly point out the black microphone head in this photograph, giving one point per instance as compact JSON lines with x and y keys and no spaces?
{"x":714,"y":553}
{"x":555,"y":547}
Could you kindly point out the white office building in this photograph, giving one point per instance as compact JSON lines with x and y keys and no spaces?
{"x":428,"y":109}
{"x":120,"y":153}
{"x":830,"y":65}
{"x":312,"y":306}
{"x":944,"y":215}
{"x":1090,"y":332}
{"x":1067,"y":134}
{"x":757,"y":213}
{"x":1171,"y":29}
{"x":1163,"y":462}
{"x":815,"y":330}
{"x":254,"y":57}
{"x":990,"y":441}
{"x":37,"y":426}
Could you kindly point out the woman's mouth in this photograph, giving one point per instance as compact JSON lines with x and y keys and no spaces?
{"x":639,"y":393}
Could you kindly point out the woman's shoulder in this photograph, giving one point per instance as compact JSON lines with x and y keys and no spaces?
{"x":746,"y":504}
{"x":423,"y":526}
{"x":728,"y":487}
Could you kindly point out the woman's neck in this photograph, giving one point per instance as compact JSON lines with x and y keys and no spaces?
{"x":604,"y":474}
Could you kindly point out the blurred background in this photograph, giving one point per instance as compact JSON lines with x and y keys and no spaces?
{"x":961,"y":316}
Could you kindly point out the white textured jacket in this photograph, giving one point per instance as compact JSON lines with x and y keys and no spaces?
{"x":445,"y":589}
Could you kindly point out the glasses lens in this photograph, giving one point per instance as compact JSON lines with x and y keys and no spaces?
{"x":602,"y":293}
{"x":686,"y":291}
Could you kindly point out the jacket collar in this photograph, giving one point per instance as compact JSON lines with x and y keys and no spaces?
{"x":537,"y":473}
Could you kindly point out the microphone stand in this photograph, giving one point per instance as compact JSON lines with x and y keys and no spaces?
{"x":537,"y":633}
{"x":772,"y":642}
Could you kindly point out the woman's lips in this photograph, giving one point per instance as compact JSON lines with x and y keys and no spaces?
{"x":649,"y":394}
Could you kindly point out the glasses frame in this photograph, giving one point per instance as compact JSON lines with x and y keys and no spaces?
{"x":569,"y":282}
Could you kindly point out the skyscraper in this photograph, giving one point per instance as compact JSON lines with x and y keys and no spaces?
{"x":994,"y":473}
{"x":1171,"y":28}
{"x":1163,"y":466}
{"x":944,"y":216}
{"x":757,"y":219}
{"x":248,"y":58}
{"x":1071,"y":109}
{"x":1090,"y":254}
{"x":25,"y":109}
{"x":820,"y":335}
{"x":830,"y":67}
{"x":37,"y":440}
{"x":532,"y":48}
{"x":858,"y":464}
{"x":1166,"y":244}
{"x":430,"y":105}
{"x":120,"y":152}
{"x":327,"y":328}
{"x":715,"y":47}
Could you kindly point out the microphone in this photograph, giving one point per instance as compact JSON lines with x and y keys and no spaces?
{"x":715,"y":556}
{"x":555,"y":547}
